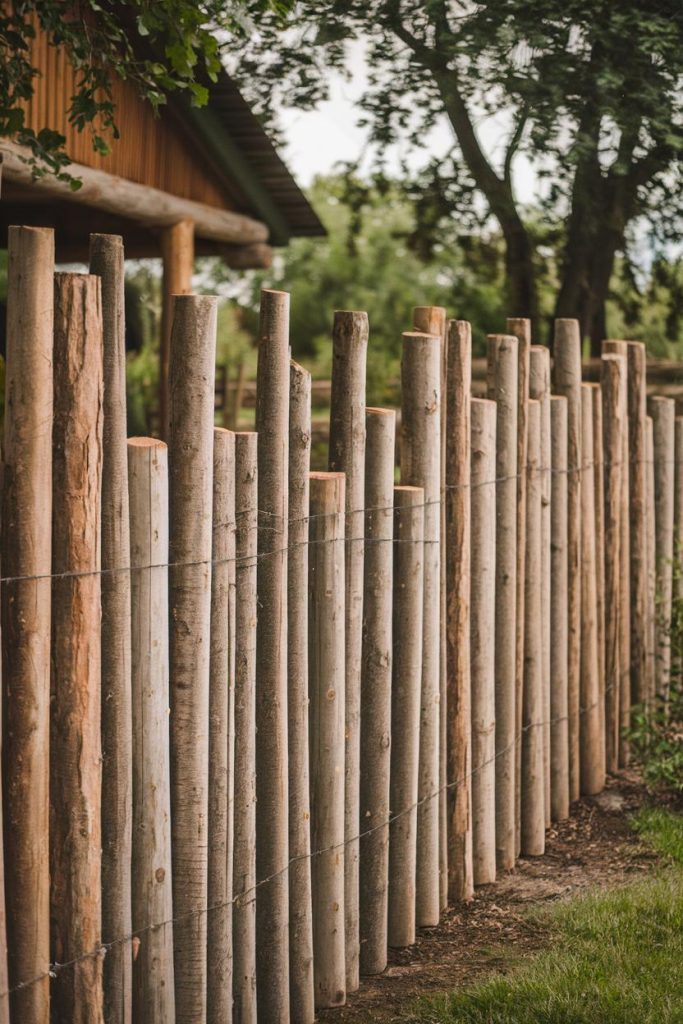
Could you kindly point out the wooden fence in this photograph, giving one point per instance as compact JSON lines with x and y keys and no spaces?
{"x":262,"y":724}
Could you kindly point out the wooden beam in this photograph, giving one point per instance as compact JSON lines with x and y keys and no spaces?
{"x":177,"y":254}
{"x":140,"y":203}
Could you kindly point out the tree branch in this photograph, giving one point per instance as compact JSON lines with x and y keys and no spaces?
{"x":514,"y":143}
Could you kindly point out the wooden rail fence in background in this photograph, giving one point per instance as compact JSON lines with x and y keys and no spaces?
{"x":261,"y":723}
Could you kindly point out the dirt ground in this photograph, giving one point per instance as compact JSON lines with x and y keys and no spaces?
{"x":594,"y":848}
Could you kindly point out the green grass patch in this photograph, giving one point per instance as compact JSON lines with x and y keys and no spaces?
{"x":614,"y":957}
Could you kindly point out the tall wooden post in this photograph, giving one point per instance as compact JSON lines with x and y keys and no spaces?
{"x":106,"y":260}
{"x":599,"y":486}
{"x":559,"y":732}
{"x":482,"y":625}
{"x":177,"y":256}
{"x":502,"y":385}
{"x":221,"y":735}
{"x":520,"y":328}
{"x":408,"y":606}
{"x":75,"y":746}
{"x":678,"y":507}
{"x":152,"y":896}
{"x":347,"y":455}
{"x":637,"y":412}
{"x":375,"y":725}
{"x":420,"y":467}
{"x":193,"y":347}
{"x":244,"y":914}
{"x":272,"y":794}
{"x":567,"y":371}
{"x":591,"y":735}
{"x":663,"y":425}
{"x":457,"y":625}
{"x":302,"y":998}
{"x":26,"y":552}
{"x":539,"y":389}
{"x":326,"y":667}
{"x":651,"y":547}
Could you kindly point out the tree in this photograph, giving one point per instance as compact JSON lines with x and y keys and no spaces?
{"x":161,"y":47}
{"x":589,"y":90}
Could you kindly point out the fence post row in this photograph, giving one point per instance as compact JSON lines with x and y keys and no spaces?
{"x":259,"y":723}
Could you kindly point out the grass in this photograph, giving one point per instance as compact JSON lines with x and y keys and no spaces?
{"x":614,"y":957}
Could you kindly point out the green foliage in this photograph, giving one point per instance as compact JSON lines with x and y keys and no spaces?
{"x":663,"y":830}
{"x":160,"y":47}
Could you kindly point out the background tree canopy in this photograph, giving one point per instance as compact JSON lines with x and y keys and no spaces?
{"x":590,"y":91}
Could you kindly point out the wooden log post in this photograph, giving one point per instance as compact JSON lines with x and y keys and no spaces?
{"x":621,"y":348}
{"x":177,"y":256}
{"x":408,"y":604}
{"x":532,"y":783}
{"x":326,"y":673}
{"x":420,"y":467}
{"x":302,"y":998}
{"x":651,"y":548}
{"x":375,"y":725}
{"x":432,"y":320}
{"x":614,"y":399}
{"x":106,"y":260}
{"x":221,"y":735}
{"x":347,"y":455}
{"x":152,"y":895}
{"x":482,"y":625}
{"x":539,"y":389}
{"x":678,"y":510}
{"x":244,"y":914}
{"x":75,"y":747}
{"x":456,"y":553}
{"x":663,"y":412}
{"x":502,"y":385}
{"x":637,"y":412}
{"x":591,"y":733}
{"x":272,"y":799}
{"x":520,"y":328}
{"x":599,"y":489}
{"x":26,"y":552}
{"x":559,"y":731}
{"x":567,"y":377}
{"x":193,"y":346}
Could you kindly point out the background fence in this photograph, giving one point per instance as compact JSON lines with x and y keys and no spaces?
{"x":261,"y":724}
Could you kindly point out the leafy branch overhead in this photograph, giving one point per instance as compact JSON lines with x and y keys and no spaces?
{"x":169,"y":47}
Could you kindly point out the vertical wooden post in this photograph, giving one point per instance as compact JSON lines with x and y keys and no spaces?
{"x":302,"y":998}
{"x":520,"y":328}
{"x":347,"y":455}
{"x":559,"y":732}
{"x":502,"y":375}
{"x":408,"y":602}
{"x":456,"y":554}
{"x":663,"y":425}
{"x":483,"y":565}
{"x":621,"y":348}
{"x":193,"y":349}
{"x":420,"y":467}
{"x":567,"y":371}
{"x":432,"y":320}
{"x":26,"y":551}
{"x":539,"y":389}
{"x":177,"y":256}
{"x":591,"y":734}
{"x":153,"y":988}
{"x":75,"y":747}
{"x":637,"y":412}
{"x":106,"y":260}
{"x":326,"y":669}
{"x":678,"y":506}
{"x":244,"y":914}
{"x":221,"y":736}
{"x":599,"y":488}
{"x":272,"y":799}
{"x":532,"y":785}
{"x":614,"y":398}
{"x":651,"y":561}
{"x":375,"y":724}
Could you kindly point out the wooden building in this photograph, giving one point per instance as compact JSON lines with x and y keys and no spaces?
{"x":204,"y":181}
